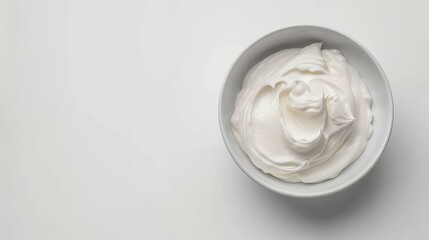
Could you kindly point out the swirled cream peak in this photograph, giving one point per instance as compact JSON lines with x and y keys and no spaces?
{"x":303,"y":115}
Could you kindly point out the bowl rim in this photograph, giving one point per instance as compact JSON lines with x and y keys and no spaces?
{"x":344,"y":184}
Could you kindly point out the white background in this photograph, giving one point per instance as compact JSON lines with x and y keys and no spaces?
{"x":108,"y":122}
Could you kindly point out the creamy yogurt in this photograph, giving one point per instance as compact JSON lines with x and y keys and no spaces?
{"x":303,"y":115}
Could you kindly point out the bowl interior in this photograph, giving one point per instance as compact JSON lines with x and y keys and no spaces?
{"x":370,"y":72}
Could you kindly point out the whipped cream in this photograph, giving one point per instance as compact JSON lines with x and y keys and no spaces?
{"x":303,"y":115}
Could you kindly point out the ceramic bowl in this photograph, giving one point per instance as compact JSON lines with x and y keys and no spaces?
{"x":371,"y":73}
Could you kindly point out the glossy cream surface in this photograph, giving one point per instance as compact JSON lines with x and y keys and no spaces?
{"x":303,"y":115}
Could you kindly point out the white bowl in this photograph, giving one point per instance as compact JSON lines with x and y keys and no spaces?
{"x":367,"y":66}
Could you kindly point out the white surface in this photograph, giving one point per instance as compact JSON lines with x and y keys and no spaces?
{"x":108,"y":122}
